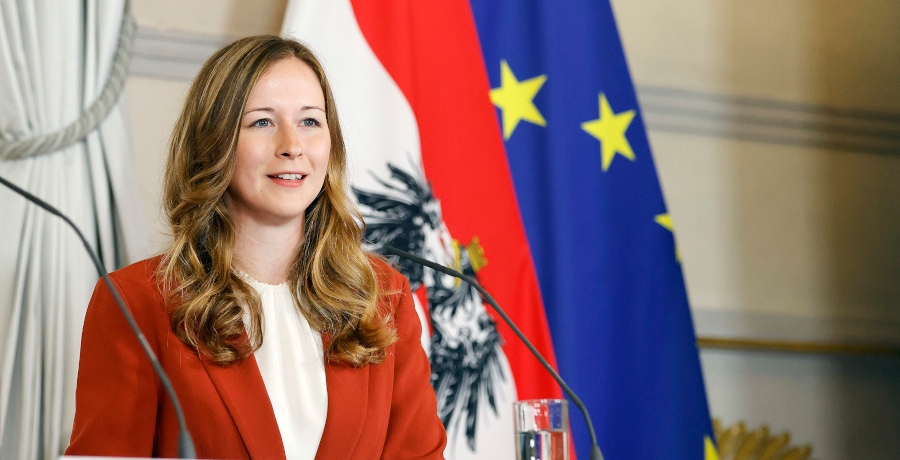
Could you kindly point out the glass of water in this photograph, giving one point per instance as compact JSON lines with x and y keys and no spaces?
{"x":542,"y":429}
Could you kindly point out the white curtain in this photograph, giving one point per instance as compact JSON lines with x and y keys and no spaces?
{"x":55,"y":57}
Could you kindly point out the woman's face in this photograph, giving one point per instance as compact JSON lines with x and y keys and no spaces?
{"x":283,"y":147}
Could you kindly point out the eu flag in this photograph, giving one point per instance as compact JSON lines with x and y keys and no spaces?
{"x":595,"y":218}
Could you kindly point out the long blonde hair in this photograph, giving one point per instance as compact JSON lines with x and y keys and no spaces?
{"x":332,"y":280}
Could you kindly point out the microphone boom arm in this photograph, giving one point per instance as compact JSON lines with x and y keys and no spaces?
{"x":595,"y":448}
{"x":185,"y":443}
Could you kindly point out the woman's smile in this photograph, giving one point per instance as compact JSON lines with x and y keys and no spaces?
{"x":288,"y":179}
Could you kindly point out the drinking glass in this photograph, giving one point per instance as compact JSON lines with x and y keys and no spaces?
{"x":542,"y":429}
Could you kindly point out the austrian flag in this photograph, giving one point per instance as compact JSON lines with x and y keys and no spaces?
{"x":429,"y":172}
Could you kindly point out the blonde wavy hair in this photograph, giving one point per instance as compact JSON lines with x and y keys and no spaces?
{"x":332,"y":279}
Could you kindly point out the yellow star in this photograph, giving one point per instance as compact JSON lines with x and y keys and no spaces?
{"x":665,"y":220}
{"x":710,"y":452}
{"x":516,"y":99}
{"x":610,"y":129}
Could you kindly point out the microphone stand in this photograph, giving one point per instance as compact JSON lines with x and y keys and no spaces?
{"x":595,"y":448}
{"x":185,"y":443}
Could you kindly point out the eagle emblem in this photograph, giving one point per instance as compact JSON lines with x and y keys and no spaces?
{"x":465,"y":346}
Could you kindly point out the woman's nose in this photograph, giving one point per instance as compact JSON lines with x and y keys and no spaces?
{"x":290,"y":145}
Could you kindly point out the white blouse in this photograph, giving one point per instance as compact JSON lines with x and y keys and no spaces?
{"x":292,"y":364}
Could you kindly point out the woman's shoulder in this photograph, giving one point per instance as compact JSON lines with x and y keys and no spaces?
{"x":137,"y":286}
{"x":143,"y":271}
{"x":139,"y":279}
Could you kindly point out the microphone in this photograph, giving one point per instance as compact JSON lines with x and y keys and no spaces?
{"x":185,"y":443}
{"x":595,"y":448}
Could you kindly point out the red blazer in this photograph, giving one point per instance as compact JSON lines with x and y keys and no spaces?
{"x":386,"y":410}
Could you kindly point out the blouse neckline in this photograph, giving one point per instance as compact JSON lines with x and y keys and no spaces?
{"x":256,"y":282}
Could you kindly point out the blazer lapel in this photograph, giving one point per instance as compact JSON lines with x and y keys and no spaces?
{"x":348,"y":399}
{"x":244,"y":393}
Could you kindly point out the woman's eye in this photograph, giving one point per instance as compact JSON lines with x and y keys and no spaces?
{"x":263,"y":123}
{"x":310,"y":122}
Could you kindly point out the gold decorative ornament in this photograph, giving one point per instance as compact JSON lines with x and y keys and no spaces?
{"x":736,"y":442}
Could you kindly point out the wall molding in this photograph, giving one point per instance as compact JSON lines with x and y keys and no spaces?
{"x":172,"y":55}
{"x":805,"y":334}
{"x":808,"y":348}
{"x":769,"y":121}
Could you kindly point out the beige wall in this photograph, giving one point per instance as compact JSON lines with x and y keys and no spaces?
{"x":832,"y":52}
{"x":784,"y":187}
{"x":229,"y":18}
{"x":787,"y":213}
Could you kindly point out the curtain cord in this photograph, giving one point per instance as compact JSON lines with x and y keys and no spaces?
{"x":97,"y":112}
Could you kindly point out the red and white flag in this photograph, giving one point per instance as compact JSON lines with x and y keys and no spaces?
{"x":429,"y":171}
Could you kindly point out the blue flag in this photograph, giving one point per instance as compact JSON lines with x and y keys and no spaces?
{"x":595,"y":218}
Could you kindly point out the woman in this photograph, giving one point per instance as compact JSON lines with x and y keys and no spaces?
{"x":282,"y":337}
